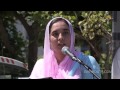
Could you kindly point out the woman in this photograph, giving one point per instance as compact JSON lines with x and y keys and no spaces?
{"x":55,"y":64}
{"x":115,"y":73}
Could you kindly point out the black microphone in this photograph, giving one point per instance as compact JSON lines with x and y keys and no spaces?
{"x":65,"y":50}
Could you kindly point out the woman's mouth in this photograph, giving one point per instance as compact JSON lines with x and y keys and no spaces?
{"x":61,"y":45}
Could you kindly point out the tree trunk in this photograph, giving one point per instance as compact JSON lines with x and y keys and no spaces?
{"x":33,"y":32}
{"x":33,"y":46}
{"x":32,"y":54}
{"x":107,"y":70}
{"x":4,"y":37}
{"x":91,"y":45}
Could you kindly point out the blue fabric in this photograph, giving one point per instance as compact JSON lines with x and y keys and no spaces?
{"x":89,"y":61}
{"x":74,"y":68}
{"x":92,"y":63}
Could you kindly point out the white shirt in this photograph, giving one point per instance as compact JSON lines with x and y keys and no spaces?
{"x":36,"y":72}
{"x":115,"y":72}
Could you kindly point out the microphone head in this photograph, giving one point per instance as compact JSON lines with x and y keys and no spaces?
{"x":64,"y":49}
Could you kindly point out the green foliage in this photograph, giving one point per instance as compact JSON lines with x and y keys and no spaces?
{"x":96,"y":26}
{"x":87,"y":52}
{"x":95,"y":22}
{"x":42,"y":17}
{"x":15,"y":38}
{"x":93,"y":26}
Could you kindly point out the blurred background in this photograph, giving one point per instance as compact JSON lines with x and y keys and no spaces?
{"x":22,"y":35}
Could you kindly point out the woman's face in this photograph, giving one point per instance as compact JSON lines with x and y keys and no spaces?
{"x":59,"y":36}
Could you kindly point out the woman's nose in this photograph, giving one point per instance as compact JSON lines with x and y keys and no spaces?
{"x":60,"y":37}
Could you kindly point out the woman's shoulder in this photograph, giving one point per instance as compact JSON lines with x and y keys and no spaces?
{"x":116,"y":57}
{"x":86,"y":58}
{"x":118,"y":51}
{"x":83,"y":57}
{"x":92,"y":63}
{"x":37,"y":70}
{"x":92,"y":59}
{"x":89,"y":60}
{"x":40,"y":60}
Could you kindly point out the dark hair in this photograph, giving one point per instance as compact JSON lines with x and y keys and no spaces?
{"x":56,"y":20}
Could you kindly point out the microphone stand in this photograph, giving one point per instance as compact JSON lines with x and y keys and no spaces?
{"x":87,"y":67}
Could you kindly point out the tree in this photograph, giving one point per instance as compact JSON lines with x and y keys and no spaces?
{"x":96,"y":26}
{"x":38,"y":22}
{"x":90,"y":27}
{"x":11,"y":41}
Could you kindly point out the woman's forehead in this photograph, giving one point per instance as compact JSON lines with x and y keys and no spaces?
{"x":59,"y":25}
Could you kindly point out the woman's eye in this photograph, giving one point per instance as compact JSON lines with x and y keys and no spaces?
{"x":55,"y":34}
{"x":65,"y":33}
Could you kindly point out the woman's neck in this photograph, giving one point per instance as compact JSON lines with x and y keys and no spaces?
{"x":59,"y":57}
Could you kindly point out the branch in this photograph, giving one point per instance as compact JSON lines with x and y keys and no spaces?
{"x":91,"y":45}
{"x":23,"y":21}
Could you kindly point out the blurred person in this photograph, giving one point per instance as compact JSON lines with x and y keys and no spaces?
{"x":115,"y":72}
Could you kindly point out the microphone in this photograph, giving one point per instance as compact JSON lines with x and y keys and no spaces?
{"x":65,"y":50}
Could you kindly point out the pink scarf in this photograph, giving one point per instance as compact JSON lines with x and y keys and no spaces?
{"x":51,"y":68}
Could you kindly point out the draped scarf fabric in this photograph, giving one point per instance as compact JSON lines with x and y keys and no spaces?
{"x":51,"y":68}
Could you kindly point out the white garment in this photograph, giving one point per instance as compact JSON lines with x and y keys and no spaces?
{"x":36,"y":72}
{"x":115,"y":72}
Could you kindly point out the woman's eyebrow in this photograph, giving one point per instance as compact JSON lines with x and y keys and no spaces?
{"x":55,"y":31}
{"x":66,"y":29}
